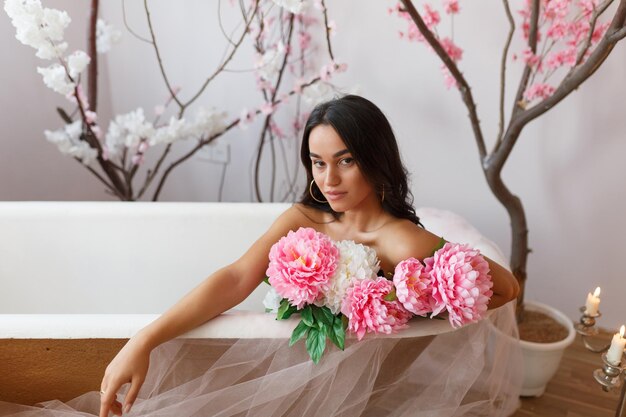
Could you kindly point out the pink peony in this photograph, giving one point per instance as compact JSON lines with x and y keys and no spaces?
{"x":301,"y":264}
{"x":413,"y":286}
{"x":461,"y":283}
{"x":367,"y":310}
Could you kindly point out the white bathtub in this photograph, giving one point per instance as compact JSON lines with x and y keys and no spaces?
{"x":79,"y":278}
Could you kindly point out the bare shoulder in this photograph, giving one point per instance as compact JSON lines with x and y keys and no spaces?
{"x":402,"y":239}
{"x":299,"y":215}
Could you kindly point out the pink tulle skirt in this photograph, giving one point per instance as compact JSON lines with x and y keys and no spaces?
{"x":472,"y":371}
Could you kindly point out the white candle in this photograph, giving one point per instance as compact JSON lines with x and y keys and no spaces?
{"x":614,"y":355}
{"x":593,"y":302}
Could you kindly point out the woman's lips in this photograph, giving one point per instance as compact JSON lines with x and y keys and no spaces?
{"x":334,"y":195}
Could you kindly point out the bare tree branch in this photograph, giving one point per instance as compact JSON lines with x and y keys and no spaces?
{"x":92,"y":71}
{"x":330,"y":49}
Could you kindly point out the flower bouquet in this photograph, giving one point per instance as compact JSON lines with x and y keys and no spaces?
{"x":335,"y":288}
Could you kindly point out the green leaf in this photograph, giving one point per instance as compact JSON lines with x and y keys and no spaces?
{"x":315,"y":344}
{"x":440,"y":245}
{"x":337,"y":333}
{"x":323,"y":315}
{"x":298,"y":332}
{"x":285,"y":310}
{"x":391,"y":296}
{"x":307,"y":316}
{"x":267,"y":280}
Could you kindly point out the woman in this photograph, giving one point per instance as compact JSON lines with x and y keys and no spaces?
{"x":357,"y":190}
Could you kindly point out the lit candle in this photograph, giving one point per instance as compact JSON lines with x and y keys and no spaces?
{"x":593,"y":302}
{"x":614,"y":355}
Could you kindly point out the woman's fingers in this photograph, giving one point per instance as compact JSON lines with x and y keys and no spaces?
{"x":132,"y":393}
{"x":108,"y":401}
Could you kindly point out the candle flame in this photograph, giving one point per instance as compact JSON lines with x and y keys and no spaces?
{"x":621,"y":331}
{"x":596,"y":293}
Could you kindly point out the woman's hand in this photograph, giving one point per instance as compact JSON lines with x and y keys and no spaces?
{"x":130,"y":365}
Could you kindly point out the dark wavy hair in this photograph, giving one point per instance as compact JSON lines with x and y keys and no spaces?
{"x":369,"y":137}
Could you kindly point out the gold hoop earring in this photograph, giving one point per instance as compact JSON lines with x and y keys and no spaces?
{"x":382,"y":200}
{"x":311,"y":193}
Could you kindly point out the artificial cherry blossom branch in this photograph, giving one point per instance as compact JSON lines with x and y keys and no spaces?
{"x":210,"y":139}
{"x":505,"y":54}
{"x":325,"y":12}
{"x":464,"y":88}
{"x":532,"y":43}
{"x":592,"y":24}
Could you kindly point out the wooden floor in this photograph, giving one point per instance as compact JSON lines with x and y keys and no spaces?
{"x":574,"y":392}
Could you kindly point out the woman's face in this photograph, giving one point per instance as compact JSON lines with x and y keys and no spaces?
{"x":335,"y":171}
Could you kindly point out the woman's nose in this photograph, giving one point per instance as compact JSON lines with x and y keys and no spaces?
{"x":332,"y":177}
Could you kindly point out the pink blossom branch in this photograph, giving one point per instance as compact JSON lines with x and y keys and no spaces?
{"x":92,"y":71}
{"x":505,"y":54}
{"x":104,"y":181}
{"x":592,"y":24}
{"x":579,"y":74}
{"x":532,"y":43}
{"x":464,"y":88}
{"x":210,"y":139}
{"x":328,"y":44}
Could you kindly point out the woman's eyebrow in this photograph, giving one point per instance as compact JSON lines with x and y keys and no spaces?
{"x":314,"y":155}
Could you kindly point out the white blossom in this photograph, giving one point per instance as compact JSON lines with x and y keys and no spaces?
{"x":268,"y":64}
{"x":356,"y":262}
{"x":68,"y":142}
{"x":294,"y":6}
{"x":106,"y":36}
{"x":77,"y":62}
{"x":173,"y":131}
{"x":127,"y":130}
{"x":207,"y":122}
{"x":54,"y":77}
{"x":38,"y":27}
{"x":317,"y":93}
{"x":272,"y":301}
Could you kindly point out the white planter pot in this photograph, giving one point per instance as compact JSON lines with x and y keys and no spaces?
{"x":541,"y":360}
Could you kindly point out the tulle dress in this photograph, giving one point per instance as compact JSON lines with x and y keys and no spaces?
{"x":471,"y":371}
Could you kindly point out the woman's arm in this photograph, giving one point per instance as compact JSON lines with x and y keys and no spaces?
{"x":412,"y":241}
{"x":221,"y":291}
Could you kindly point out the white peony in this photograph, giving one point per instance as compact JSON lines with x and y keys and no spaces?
{"x":106,"y":36}
{"x":356,"y":262}
{"x":127,"y":130}
{"x":294,"y":6}
{"x":54,"y":77}
{"x":77,"y":62}
{"x":68,"y":142}
{"x":272,"y":301}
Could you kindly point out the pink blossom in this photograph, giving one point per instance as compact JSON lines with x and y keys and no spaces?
{"x":530,"y":58}
{"x":90,"y":117}
{"x":539,"y":90}
{"x":556,"y":9}
{"x":558,"y":30}
{"x":368,"y":311}
{"x":451,"y":49}
{"x":599,"y":32}
{"x":461,"y":283}
{"x":564,"y":57}
{"x":304,"y":39}
{"x":413,"y":286}
{"x":451,"y":6}
{"x":431,"y":17}
{"x":587,"y":6}
{"x":267,"y":108}
{"x":276,"y":130}
{"x":301,"y":264}
{"x":137,"y":159}
{"x":448,"y":79}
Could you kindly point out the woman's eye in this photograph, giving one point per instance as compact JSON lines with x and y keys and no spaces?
{"x":346,"y":161}
{"x":318,"y":164}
